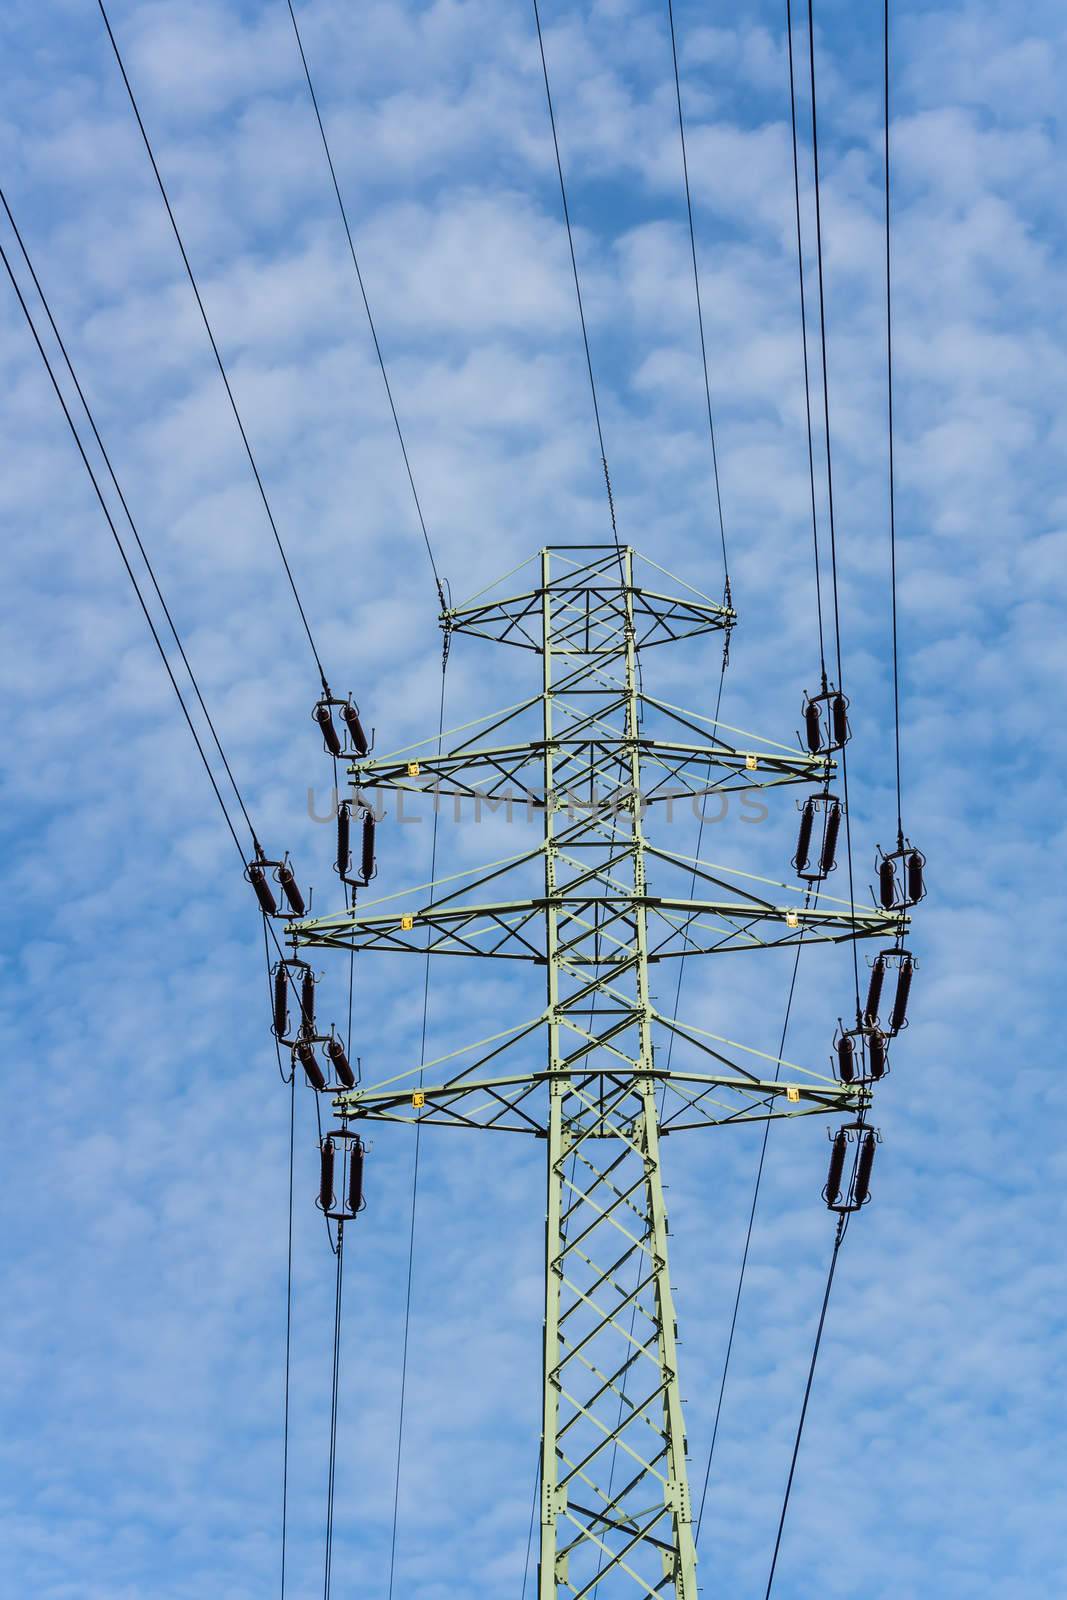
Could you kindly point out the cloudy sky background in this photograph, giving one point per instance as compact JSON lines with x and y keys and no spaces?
{"x":144,"y":1184}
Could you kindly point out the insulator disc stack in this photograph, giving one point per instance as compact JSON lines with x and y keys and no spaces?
{"x":264,"y":893}
{"x":898,"y":1017}
{"x":807,"y":823}
{"x":813,"y":727}
{"x":355,"y":1176}
{"x":911,"y":888}
{"x":838,"y":1151}
{"x":828,"y":856}
{"x":355,"y":728}
{"x":846,"y":1058}
{"x":344,"y":841}
{"x":916,"y":885}
{"x":312,"y":1070}
{"x":367,"y":849}
{"x":336,"y":1052}
{"x":307,"y":1000}
{"x":281,"y":1001}
{"x":874,"y":991}
{"x":326,"y":1174}
{"x":877,"y":1059}
{"x":834,"y":732}
{"x":324,"y":718}
{"x":290,"y":889}
{"x":862,"y":1185}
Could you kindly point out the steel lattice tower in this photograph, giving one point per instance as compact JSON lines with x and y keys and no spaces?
{"x":597,"y":903}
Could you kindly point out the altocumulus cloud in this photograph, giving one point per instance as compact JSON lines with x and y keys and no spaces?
{"x":145,"y":1127}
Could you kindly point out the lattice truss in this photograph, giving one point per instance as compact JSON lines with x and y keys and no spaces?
{"x":596,"y":904}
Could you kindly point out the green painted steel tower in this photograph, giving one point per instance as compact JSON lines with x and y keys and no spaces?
{"x":598,"y":905}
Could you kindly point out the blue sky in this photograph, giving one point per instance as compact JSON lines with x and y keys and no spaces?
{"x":143,"y":1194}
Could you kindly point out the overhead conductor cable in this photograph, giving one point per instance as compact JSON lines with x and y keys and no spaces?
{"x":259,"y":883}
{"x":892,"y":472}
{"x":122,"y":552}
{"x":366,"y":307}
{"x":829,"y":454}
{"x":415,"y":1170}
{"x":268,"y":928}
{"x":214,"y":345}
{"x":727,"y":600}
{"x":577,"y":282}
{"x":367,"y":843}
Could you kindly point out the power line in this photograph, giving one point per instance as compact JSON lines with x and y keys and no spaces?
{"x":822,"y":327}
{"x":351,"y":897}
{"x":404,"y":1351}
{"x":288,"y":1318}
{"x":290,"y":1081}
{"x":318,"y":1124}
{"x":829,"y":460}
{"x":268,"y":930}
{"x":818,"y":587}
{"x":268,"y":926}
{"x":530,"y":1529}
{"x":122,"y":549}
{"x":892,"y":475}
{"x":839,"y":1235}
{"x":700,"y":311}
{"x":804,"y":337}
{"x":747,"y":1247}
{"x":577,"y":283}
{"x":334,"y":1391}
{"x":122,"y":552}
{"x":214,"y":346}
{"x":415,"y":1167}
{"x":366,"y":307}
{"x":842,"y":1220}
{"x":128,"y":514}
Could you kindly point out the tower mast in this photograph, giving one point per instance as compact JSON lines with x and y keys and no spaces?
{"x":593,"y":752}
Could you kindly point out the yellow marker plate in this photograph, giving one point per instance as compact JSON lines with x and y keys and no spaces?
{"x":418,"y":1099}
{"x":413,"y":769}
{"x":751,"y":763}
{"x":407,"y":923}
{"x":792,"y":920}
{"x":792,"y":1094}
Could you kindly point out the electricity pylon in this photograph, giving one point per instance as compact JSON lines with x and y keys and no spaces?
{"x":592,"y":902}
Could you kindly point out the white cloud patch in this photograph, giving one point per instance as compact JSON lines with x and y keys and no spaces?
{"x":146,"y":1130}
